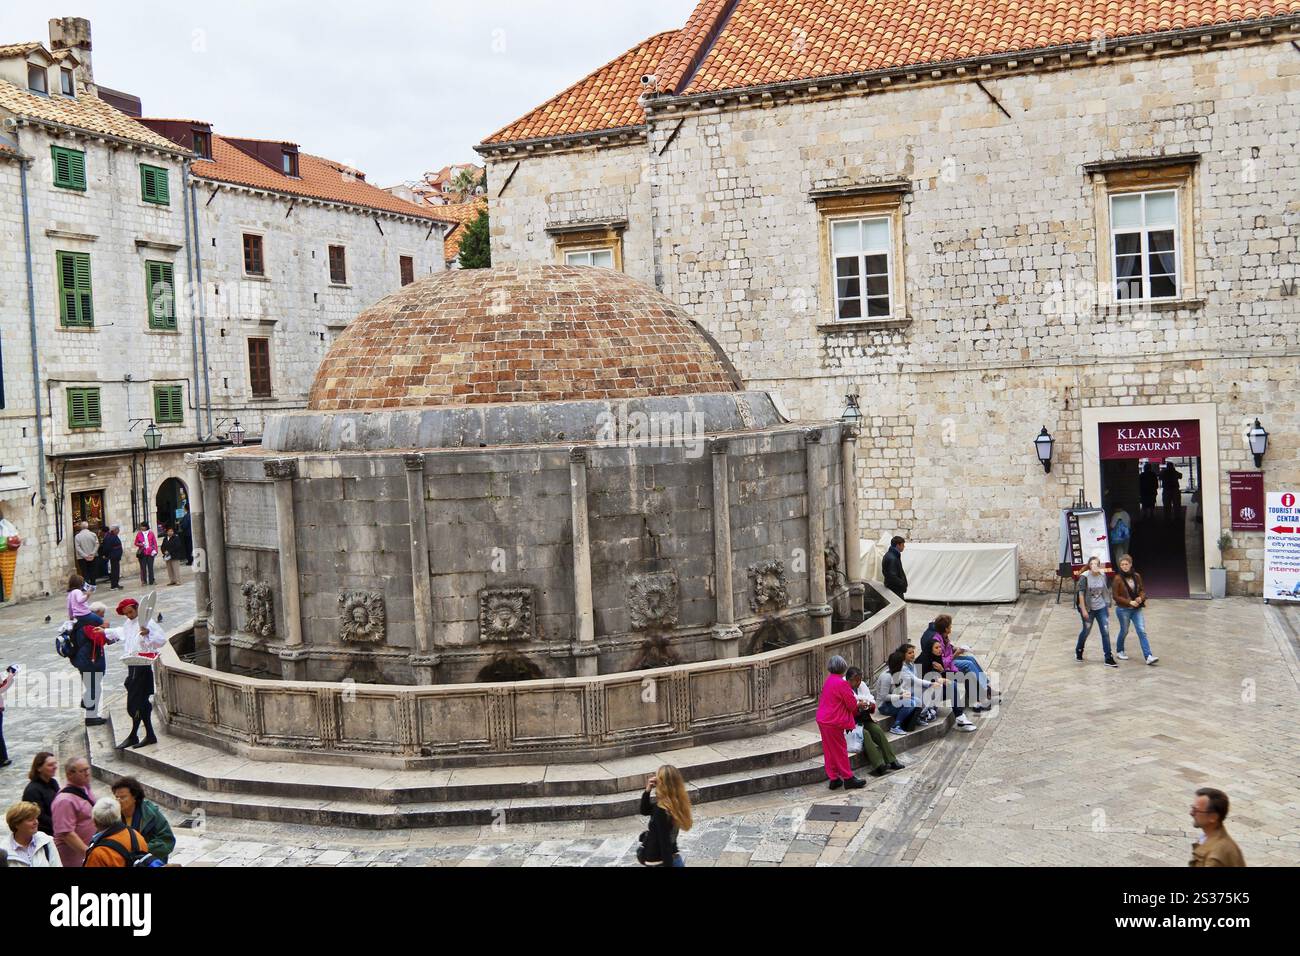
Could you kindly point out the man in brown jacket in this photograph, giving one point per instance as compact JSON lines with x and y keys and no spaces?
{"x":1215,"y":848}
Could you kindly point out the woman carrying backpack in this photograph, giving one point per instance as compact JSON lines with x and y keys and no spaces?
{"x":667,"y":805}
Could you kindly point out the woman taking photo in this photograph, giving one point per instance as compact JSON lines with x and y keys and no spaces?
{"x":1130,"y":601}
{"x":669,"y":808}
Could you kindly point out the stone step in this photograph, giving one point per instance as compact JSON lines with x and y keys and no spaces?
{"x":187,"y":777}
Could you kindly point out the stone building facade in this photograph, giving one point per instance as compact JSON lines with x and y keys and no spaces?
{"x":163,"y":309}
{"x":990,"y":183}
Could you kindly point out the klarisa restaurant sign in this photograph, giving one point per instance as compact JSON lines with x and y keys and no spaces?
{"x":1177,"y":439}
{"x":1282,"y":547}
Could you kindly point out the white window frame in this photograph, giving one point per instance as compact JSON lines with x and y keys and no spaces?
{"x":66,"y":74}
{"x":32,"y":69}
{"x":1144,"y":231}
{"x":887,"y":252}
{"x":570,"y":255}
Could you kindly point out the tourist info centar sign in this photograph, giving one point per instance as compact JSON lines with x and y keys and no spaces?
{"x":1282,"y":547}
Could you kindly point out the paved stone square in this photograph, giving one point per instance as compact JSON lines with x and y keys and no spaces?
{"x":1081,"y":765}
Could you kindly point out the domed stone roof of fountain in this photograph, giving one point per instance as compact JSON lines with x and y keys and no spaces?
{"x":518,"y":333}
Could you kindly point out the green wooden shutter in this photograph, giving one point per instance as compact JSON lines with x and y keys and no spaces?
{"x":160,"y":292}
{"x":153,"y":185}
{"x":69,"y":168}
{"x":83,"y":408}
{"x":168,"y":407}
{"x":76,"y":305}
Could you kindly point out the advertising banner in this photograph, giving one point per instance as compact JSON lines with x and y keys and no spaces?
{"x":1246,"y":492}
{"x":1282,"y":547}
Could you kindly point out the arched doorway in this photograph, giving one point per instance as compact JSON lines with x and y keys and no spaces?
{"x":173,"y":498}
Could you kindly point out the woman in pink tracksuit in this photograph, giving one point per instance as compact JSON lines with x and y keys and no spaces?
{"x":836,"y":713}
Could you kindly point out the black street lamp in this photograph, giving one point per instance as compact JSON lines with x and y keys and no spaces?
{"x":152,"y":437}
{"x":852,"y":414}
{"x":1258,"y":443}
{"x":1043,"y":446}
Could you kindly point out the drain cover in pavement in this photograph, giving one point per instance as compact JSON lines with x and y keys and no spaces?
{"x":836,"y":813}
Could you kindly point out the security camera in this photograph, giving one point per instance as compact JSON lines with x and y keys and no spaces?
{"x":650,"y":79}
{"x":11,"y":122}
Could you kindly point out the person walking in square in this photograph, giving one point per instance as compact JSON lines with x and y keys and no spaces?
{"x":1215,"y":847}
{"x":86,"y":544}
{"x":875,"y":744}
{"x":146,"y":549}
{"x":1130,"y":603}
{"x":6,"y":679}
{"x":1121,"y":533}
{"x":173,"y":549}
{"x":1094,"y":605}
{"x":668,"y":805}
{"x":837,"y":713}
{"x":891,"y":567}
{"x":110,"y":549}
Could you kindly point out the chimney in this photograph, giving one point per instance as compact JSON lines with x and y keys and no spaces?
{"x":73,"y":33}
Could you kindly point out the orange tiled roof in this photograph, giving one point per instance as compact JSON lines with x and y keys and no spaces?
{"x":773,"y":41}
{"x":727,"y":44}
{"x":21,"y":49}
{"x":318,"y":178}
{"x":460,"y":214}
{"x":84,"y":111}
{"x":605,"y":99}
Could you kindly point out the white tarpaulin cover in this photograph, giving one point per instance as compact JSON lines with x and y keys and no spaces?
{"x":939,"y":573}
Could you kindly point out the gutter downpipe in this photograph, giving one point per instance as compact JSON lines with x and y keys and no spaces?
{"x":202,"y":312}
{"x":36,"y":364}
{"x":189,"y":281}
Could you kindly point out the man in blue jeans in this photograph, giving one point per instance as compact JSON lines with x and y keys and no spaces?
{"x":1094,"y":605}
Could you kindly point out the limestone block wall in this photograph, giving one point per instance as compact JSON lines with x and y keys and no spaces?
{"x":296,"y":305}
{"x":557,"y":190}
{"x":499,"y":525}
{"x":1001,"y":262}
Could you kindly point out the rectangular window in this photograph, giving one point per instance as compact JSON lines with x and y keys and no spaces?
{"x":83,"y":408}
{"x":76,"y":307}
{"x":603,"y":258}
{"x":407,"y":265}
{"x":160,"y":289}
{"x":290,"y":163}
{"x":37,"y":80}
{"x":259,"y":367}
{"x":253,"y":263}
{"x":153,"y":185}
{"x":338,"y":265}
{"x":861,"y":249}
{"x":69,"y":83}
{"x":202,"y":145}
{"x":168,"y":405}
{"x":1144,"y":242}
{"x":69,"y":168}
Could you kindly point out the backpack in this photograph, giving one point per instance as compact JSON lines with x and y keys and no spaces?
{"x":65,"y":644}
{"x":133,"y":857}
{"x":1121,"y":532}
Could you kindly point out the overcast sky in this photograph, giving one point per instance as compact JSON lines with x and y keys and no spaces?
{"x":392,"y":88}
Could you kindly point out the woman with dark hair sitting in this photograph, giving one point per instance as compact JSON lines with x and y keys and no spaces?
{"x":895,"y":690}
{"x":931,"y":666}
{"x":957,"y":657}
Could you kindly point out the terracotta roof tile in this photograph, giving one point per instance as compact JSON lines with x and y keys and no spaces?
{"x":773,"y":41}
{"x":605,"y":99}
{"x":727,"y":44}
{"x":318,"y":178}
{"x":460,"y":214}
{"x":84,"y":112}
{"x":21,"y":49}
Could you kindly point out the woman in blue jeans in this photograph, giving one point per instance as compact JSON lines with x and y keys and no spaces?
{"x":1130,"y":602}
{"x":895,"y":694}
{"x":1094,"y":605}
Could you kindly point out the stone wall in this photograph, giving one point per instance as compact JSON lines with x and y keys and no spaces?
{"x":1002,"y":334}
{"x":499,"y":525}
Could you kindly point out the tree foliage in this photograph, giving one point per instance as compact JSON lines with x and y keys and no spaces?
{"x":476,"y":246}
